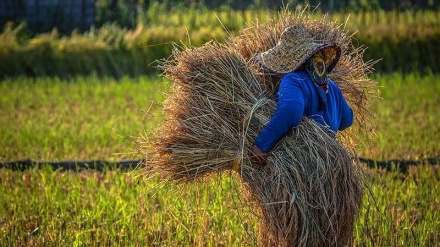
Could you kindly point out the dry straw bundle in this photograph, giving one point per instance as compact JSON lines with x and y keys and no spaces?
{"x":310,"y":191}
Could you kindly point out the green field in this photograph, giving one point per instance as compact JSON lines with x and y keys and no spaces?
{"x":84,"y":118}
{"x":93,"y":118}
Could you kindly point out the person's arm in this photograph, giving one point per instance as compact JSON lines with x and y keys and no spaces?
{"x":290,"y":109}
{"x":347,"y":115}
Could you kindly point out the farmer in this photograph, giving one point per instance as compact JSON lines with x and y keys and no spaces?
{"x":304,"y":90}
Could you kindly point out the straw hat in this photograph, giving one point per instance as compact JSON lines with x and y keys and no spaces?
{"x":295,"y":46}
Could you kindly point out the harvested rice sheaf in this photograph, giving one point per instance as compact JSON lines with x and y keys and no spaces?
{"x":310,"y":191}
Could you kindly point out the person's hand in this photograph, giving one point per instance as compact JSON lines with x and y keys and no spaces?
{"x":257,"y":155}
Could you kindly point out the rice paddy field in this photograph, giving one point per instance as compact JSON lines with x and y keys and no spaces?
{"x":88,"y":118}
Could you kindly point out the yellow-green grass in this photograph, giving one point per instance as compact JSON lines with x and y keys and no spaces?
{"x":46,"y":208}
{"x":407,"y":118}
{"x":90,"y":118}
{"x":84,"y":118}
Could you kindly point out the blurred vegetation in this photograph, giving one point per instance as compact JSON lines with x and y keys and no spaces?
{"x":128,"y":12}
{"x":406,"y":41}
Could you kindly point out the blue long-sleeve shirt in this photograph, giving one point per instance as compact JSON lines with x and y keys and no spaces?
{"x":298,"y":97}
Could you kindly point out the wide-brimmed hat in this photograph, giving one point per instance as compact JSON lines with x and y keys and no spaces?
{"x":295,"y":46}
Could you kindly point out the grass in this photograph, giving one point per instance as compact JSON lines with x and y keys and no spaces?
{"x":401,"y":210}
{"x":93,"y":118}
{"x":407,"y":118}
{"x":85,"y":118}
{"x":118,"y":209}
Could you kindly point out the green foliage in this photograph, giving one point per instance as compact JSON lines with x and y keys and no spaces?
{"x":108,"y":51}
{"x":406,"y":41}
{"x":127,"y":8}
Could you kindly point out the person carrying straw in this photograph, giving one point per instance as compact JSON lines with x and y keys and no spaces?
{"x":305,"y":89}
{"x":230,"y":111}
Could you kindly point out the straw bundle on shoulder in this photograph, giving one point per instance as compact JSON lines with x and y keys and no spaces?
{"x":350,"y":73}
{"x":310,"y":191}
{"x":214,"y":91}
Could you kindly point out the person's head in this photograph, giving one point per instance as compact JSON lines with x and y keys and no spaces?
{"x":295,"y":47}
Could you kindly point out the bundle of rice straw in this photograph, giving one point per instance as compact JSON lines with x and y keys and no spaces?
{"x":310,"y":191}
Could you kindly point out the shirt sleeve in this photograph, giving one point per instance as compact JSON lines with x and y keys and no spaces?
{"x":347,"y":115}
{"x":291,"y":103}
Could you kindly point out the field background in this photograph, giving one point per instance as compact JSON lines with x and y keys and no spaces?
{"x":87,"y":95}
